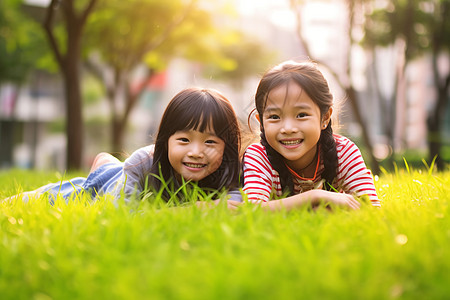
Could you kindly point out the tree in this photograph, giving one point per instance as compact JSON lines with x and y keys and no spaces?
{"x":15,"y":61}
{"x":343,"y":80}
{"x":403,"y":44}
{"x":248,"y":57}
{"x":438,"y":26}
{"x":424,"y":27}
{"x":21,"y":47}
{"x":149,"y":32}
{"x":66,"y":43}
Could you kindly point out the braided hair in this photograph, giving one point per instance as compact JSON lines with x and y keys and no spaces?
{"x":311,"y":80}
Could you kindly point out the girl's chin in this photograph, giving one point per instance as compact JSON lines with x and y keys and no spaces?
{"x":193,"y":177}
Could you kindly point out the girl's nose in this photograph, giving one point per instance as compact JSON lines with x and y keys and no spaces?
{"x":196,"y":151}
{"x":289,"y":127}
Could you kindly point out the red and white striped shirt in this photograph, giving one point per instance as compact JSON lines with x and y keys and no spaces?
{"x":353,"y":177}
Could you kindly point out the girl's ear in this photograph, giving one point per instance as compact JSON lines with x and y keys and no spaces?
{"x":326,"y":118}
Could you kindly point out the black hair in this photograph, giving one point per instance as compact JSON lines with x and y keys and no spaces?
{"x":312,"y":81}
{"x":199,"y":109}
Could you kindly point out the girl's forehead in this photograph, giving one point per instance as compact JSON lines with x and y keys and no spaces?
{"x":208,"y":131}
{"x":289,"y":93}
{"x":286,"y":88}
{"x":200,"y":122}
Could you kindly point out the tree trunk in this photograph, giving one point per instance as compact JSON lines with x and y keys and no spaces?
{"x":442,"y":88}
{"x":120,"y":121}
{"x":434,"y":128}
{"x":375,"y":167}
{"x":117,"y":138}
{"x":68,"y":62}
{"x":387,"y":108}
{"x":74,"y":120}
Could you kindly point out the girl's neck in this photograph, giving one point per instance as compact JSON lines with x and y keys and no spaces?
{"x":306,"y":170}
{"x":305,"y":163}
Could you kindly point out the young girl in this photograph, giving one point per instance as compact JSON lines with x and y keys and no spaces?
{"x":298,"y":152}
{"x":198,"y":140}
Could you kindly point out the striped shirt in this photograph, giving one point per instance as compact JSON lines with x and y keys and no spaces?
{"x":261,"y":180}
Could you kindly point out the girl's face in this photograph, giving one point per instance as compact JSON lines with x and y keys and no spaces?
{"x":292,"y":124}
{"x":194,"y":155}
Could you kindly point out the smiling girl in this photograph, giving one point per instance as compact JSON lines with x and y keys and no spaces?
{"x":198,"y":141}
{"x":298,"y":152}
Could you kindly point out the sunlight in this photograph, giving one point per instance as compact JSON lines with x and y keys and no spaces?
{"x":284,"y":18}
{"x":38,"y":2}
{"x":278,"y":12}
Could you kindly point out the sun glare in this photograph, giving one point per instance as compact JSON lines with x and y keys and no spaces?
{"x":278,"y":12}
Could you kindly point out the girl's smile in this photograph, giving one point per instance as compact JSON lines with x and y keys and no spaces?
{"x":291,"y":143}
{"x":194,"y":155}
{"x":194,"y":166}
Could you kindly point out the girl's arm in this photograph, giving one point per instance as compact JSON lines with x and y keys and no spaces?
{"x":258,"y":184}
{"x":135,"y":169}
{"x":235,"y":195}
{"x":312,"y":198}
{"x":258,"y":174}
{"x":353,"y":176}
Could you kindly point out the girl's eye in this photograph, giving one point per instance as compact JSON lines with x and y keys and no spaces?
{"x":301,"y":115}
{"x":210,"y":142}
{"x":273,"y":117}
{"x":184,"y":140}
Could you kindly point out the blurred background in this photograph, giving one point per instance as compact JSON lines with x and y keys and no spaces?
{"x":82,"y":76}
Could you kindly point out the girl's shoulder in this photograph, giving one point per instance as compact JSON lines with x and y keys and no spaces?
{"x":346,"y":149}
{"x":257,"y":160}
{"x":141,"y":155}
{"x":256,"y":148}
{"x":257,"y":154}
{"x":343,"y":142}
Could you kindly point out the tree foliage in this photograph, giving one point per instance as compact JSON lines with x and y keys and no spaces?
{"x":414,"y":21}
{"x":424,"y":27}
{"x":247,"y":56}
{"x":22,"y":47}
{"x":128,"y":34}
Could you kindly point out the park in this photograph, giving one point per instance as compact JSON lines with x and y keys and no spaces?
{"x":82,"y":77}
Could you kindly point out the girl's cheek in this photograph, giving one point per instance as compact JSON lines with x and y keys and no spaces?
{"x":218,"y":159}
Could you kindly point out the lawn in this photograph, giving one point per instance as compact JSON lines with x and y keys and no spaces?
{"x":85,"y":250}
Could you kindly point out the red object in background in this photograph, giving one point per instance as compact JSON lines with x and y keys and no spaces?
{"x":156,"y":82}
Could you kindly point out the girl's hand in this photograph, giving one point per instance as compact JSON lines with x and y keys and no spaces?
{"x":313,"y":198}
{"x":337,"y":199}
{"x":233,"y":205}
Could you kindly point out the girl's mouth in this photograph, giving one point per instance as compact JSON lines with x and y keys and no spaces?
{"x":291,"y":142}
{"x":194,"y":165}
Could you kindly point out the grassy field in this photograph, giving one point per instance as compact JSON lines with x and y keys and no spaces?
{"x":84,"y":250}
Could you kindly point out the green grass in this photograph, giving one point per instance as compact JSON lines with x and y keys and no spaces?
{"x":84,"y":250}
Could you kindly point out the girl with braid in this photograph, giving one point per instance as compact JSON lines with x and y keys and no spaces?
{"x":298,"y":153}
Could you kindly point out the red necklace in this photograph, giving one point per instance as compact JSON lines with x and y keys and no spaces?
{"x":315,"y":172}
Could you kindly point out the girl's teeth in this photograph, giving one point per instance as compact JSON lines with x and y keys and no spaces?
{"x":194,"y":165}
{"x":291,"y":142}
